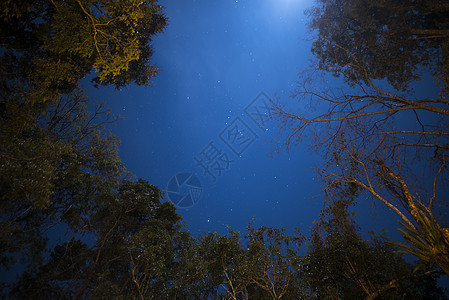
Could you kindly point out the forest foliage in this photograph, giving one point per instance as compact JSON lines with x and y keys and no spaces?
{"x":82,"y":226}
{"x":377,"y":133}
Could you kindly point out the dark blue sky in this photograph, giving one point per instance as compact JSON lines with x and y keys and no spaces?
{"x":215,"y":58}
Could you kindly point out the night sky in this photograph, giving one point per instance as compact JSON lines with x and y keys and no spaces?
{"x":220,"y":61}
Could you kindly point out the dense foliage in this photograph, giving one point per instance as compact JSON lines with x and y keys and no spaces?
{"x":48,"y":46}
{"x":138,"y":249}
{"x":374,"y":131}
{"x":81,"y":226}
{"x":395,"y":40}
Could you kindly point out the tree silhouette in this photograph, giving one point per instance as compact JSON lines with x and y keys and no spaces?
{"x":367,"y":134}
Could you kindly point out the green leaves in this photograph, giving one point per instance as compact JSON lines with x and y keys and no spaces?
{"x":59,"y":165}
{"x":426,"y":241}
{"x":52,"y":161}
{"x":340,"y":263}
{"x":55,"y":44}
{"x":388,"y":41}
{"x":134,"y":248}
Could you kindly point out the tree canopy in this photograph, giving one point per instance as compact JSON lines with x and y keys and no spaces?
{"x":55,"y":148}
{"x":395,"y":40}
{"x":48,"y":46}
{"x":129,"y":248}
{"x":341,"y":264}
{"x":82,"y":226}
{"x":374,"y":136}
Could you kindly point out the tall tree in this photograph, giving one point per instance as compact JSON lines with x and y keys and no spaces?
{"x":48,"y":46}
{"x":341,"y":265}
{"x":59,"y":165}
{"x":366,"y":130}
{"x":268,"y":263}
{"x":130,"y":248}
{"x":394,"y":39}
{"x":51,"y":146}
{"x":46,"y":160}
{"x":271,"y":262}
{"x":362,"y":145}
{"x":207,"y":264}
